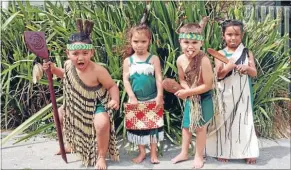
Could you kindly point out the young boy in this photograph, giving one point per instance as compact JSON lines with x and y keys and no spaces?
{"x":196,"y":78}
{"x":90,"y":95}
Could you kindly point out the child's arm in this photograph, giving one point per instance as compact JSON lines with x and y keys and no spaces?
{"x":107,"y":82}
{"x":126,"y":82}
{"x":59,"y":72}
{"x":207,"y":77}
{"x":249,"y":69}
{"x":181,"y":74}
{"x":159,"y":79}
{"x":223,"y":70}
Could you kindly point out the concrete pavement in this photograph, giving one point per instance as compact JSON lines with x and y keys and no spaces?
{"x":38,"y":153}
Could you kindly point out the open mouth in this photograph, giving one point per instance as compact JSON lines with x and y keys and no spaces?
{"x":190,"y":52}
{"x":80,"y":64}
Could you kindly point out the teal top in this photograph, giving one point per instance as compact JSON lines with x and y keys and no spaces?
{"x":227,"y":55}
{"x":142,"y":79}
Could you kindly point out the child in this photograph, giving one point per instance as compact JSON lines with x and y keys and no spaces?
{"x":234,"y":136}
{"x":142,"y":79}
{"x":90,"y":94}
{"x":196,"y":78}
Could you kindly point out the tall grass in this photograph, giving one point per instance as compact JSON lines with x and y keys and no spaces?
{"x":26,"y":103}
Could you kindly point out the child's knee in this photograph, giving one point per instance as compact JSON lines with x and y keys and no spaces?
{"x":186,"y":132}
{"x":201,"y":130}
{"x":61,"y":113}
{"x":101,"y":122}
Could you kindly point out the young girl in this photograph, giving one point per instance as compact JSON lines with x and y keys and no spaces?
{"x":233,"y":133}
{"x":90,"y":94}
{"x":196,"y":77}
{"x":142,"y":79}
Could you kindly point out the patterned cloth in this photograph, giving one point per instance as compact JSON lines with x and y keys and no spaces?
{"x":73,"y":47}
{"x":231,"y":134}
{"x":142,"y":79}
{"x":80,"y":104}
{"x":143,"y":83}
{"x":192,"y":77}
{"x":143,"y":116}
{"x":206,"y":108}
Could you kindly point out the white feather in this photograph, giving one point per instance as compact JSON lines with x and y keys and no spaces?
{"x":143,"y":68}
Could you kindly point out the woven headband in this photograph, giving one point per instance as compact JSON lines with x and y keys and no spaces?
{"x":79,"y":46}
{"x":191,"y":36}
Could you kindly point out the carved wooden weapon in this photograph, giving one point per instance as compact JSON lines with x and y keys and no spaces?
{"x":35,"y":41}
{"x":217,"y":55}
{"x":170,"y":85}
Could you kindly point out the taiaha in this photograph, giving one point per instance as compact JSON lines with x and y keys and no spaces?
{"x":35,"y":41}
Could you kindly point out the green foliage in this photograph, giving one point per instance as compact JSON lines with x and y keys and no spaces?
{"x":26,"y":103}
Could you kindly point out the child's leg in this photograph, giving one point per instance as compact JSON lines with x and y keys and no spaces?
{"x":141,"y":156}
{"x":200,"y":146}
{"x":102,"y":127}
{"x":61,"y":117}
{"x":154,"y":154}
{"x":186,"y":139}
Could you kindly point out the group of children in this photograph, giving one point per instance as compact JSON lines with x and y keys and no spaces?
{"x":91,"y":96}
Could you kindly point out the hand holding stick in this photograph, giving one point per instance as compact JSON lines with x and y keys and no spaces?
{"x":35,"y":41}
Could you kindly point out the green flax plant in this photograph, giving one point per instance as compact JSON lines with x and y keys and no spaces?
{"x":28,"y":104}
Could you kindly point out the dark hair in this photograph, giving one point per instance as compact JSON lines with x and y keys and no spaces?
{"x":128,"y":51}
{"x":228,"y":23}
{"x":190,"y":28}
{"x":194,"y":27}
{"x":83,"y":34}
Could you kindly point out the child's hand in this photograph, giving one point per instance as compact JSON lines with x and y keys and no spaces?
{"x":113,"y":104}
{"x":243,"y":69}
{"x":159,"y":102}
{"x":230,"y":65}
{"x":182,"y":94}
{"x":46,"y":65}
{"x":133,"y":100}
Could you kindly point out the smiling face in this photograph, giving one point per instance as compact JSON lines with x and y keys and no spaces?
{"x":233,"y":36}
{"x":190,"y":47}
{"x":140,"y":42}
{"x":80,"y":58}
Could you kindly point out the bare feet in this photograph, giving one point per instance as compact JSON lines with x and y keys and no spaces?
{"x":222,"y":160}
{"x":179,"y":158}
{"x":154,"y":158}
{"x":101,"y":163}
{"x":251,"y":161}
{"x":67,"y":150}
{"x":198,"y":162}
{"x":139,"y":158}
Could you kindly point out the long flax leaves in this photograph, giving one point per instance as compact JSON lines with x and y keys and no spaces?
{"x":111,"y":20}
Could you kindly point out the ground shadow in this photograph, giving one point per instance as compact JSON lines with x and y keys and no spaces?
{"x":266,"y":154}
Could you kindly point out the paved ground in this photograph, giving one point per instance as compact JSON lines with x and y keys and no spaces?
{"x":38,"y":153}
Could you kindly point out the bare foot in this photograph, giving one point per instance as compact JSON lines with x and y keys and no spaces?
{"x":198,"y":162}
{"x":179,"y":158}
{"x":139,"y":158}
{"x":101,"y":163}
{"x":251,"y":161}
{"x":222,"y":160}
{"x":154,"y":158}
{"x":67,"y":150}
